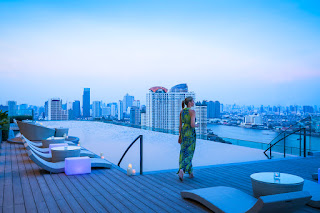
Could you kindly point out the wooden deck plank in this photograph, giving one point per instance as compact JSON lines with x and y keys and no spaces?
{"x":16,"y":180}
{"x":161,"y":198}
{"x":37,"y":194}
{"x":26,"y":188}
{"x":154,"y":200}
{"x":107,"y":193}
{"x":64,"y":189}
{"x":136,"y":198}
{"x":8,"y":200}
{"x":83,"y":187}
{"x":19,"y":208}
{"x":118,"y":194}
{"x":61,"y":202}
{"x":2,"y":170}
{"x":110,"y":190}
{"x":105,"y":198}
{"x":47,"y":195}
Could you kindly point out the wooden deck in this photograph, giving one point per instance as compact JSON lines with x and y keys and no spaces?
{"x":24,"y":187}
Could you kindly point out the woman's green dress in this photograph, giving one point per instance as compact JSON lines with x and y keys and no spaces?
{"x":188,"y":144}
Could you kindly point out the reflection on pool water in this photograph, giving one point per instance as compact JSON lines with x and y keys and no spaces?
{"x":160,"y":150}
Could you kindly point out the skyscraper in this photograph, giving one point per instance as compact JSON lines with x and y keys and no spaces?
{"x":157,"y":108}
{"x":127,"y":102}
{"x":76,"y":109}
{"x":54,"y":111}
{"x":163,"y":107}
{"x":201,"y":119}
{"x":86,"y":102}
{"x":217,"y":109}
{"x":120,"y":110}
{"x":210,"y":109}
{"x":12,"y":108}
{"x":135,"y":115}
{"x":96,"y":109}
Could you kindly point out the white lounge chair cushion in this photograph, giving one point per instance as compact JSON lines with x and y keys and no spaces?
{"x":226,"y":199}
{"x":221,"y":199}
{"x":314,"y":189}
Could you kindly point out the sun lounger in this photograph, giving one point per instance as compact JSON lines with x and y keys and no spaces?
{"x":227,"y":199}
{"x":34,"y":131}
{"x":59,"y":166}
{"x":314,"y":189}
{"x":48,"y":156}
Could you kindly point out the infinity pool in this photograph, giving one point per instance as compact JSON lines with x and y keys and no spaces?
{"x":160,"y":150}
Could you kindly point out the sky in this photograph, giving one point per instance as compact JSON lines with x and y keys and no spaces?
{"x":245,"y":52}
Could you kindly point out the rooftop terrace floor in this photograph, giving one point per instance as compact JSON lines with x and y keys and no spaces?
{"x":24,"y":187}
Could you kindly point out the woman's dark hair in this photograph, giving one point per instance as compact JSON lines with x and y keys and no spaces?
{"x":186,"y":101}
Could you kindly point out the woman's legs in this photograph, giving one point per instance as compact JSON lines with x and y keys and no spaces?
{"x":186,"y":155}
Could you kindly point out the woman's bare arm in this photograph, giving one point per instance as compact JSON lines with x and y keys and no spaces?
{"x":193,"y":118}
{"x":180,"y":124}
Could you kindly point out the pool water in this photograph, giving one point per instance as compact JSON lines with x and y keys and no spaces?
{"x":160,"y":150}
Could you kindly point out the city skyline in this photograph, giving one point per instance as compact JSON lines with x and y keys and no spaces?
{"x":260,"y":53}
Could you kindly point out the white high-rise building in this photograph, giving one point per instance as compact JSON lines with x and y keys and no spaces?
{"x":143,"y":118}
{"x":54,"y":110}
{"x":201,"y":119}
{"x":113,"y":110}
{"x":157,"y":108}
{"x":96,"y":109}
{"x":175,"y":97}
{"x":120,"y":110}
{"x":163,"y":107}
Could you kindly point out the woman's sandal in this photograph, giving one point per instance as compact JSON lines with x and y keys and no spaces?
{"x":180,"y":174}
{"x":191,"y":175}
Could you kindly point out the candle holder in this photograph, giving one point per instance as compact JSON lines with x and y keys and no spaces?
{"x":101,"y":155}
{"x":276,"y":175}
{"x":129,"y":170}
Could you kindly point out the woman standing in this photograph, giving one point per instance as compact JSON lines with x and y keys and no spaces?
{"x":187,"y":137}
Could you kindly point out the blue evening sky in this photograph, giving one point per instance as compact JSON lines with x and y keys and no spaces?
{"x":244,"y":52}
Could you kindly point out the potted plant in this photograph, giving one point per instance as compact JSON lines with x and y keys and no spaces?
{"x":4,"y":122}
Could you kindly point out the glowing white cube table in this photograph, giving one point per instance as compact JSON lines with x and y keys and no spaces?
{"x":77,"y":165}
{"x":56,"y":145}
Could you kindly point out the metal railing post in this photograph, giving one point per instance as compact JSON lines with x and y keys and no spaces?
{"x":141,"y":155}
{"x":284,"y":145}
{"x":300,"y":140}
{"x":304,"y":141}
{"x":270,"y":152}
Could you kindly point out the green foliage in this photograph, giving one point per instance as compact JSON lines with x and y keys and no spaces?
{"x":4,"y":123}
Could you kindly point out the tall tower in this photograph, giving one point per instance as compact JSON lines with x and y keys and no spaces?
{"x":157,"y":108}
{"x":120,"y":110}
{"x":12,"y":108}
{"x":201,"y":119}
{"x":55,"y":111}
{"x":163,"y":107}
{"x":76,"y":109}
{"x":127,"y":102}
{"x":96,"y":109}
{"x":86,"y":102}
{"x":175,"y":97}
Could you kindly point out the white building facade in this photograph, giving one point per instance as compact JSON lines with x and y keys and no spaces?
{"x":96,"y":109}
{"x":163,"y":108}
{"x":54,"y":110}
{"x":201,"y":119}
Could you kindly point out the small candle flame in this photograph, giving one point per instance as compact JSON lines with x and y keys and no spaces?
{"x":130,"y":165}
{"x":133,"y":171}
